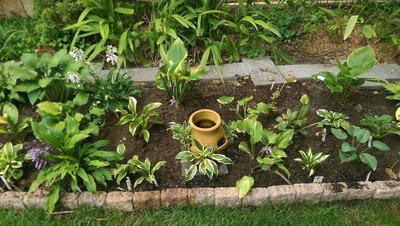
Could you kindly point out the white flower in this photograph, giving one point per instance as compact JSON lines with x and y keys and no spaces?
{"x":320,"y":77}
{"x":74,"y":78}
{"x":77,"y":54}
{"x":111,"y":56}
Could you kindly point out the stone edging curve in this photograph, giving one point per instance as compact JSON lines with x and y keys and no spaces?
{"x":220,"y":196}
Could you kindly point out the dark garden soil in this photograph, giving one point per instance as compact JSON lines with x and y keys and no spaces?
{"x":162,"y":147}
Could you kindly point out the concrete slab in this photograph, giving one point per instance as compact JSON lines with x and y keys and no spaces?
{"x":263,"y":71}
{"x":305,"y":71}
{"x":228,"y":71}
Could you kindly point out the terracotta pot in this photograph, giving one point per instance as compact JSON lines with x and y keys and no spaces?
{"x":207,"y":129}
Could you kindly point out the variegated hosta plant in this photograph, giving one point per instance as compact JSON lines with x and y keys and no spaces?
{"x":135,"y":166}
{"x":309,"y":160}
{"x":332,"y":119}
{"x":141,"y":122}
{"x":204,"y":160}
{"x":11,"y":161}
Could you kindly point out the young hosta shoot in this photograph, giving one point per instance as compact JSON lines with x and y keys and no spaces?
{"x":332,"y":119}
{"x":244,"y":185}
{"x":175,"y":77}
{"x":380,"y":126}
{"x":294,"y":120}
{"x":181,"y":132}
{"x":347,"y":80}
{"x":309,"y":161}
{"x":359,"y":146}
{"x":10,"y":124}
{"x":243,"y":107}
{"x":204,"y":161}
{"x":140,"y":122}
{"x":135,"y":166}
{"x":11,"y":161}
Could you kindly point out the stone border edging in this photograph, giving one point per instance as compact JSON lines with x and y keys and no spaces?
{"x":220,"y":196}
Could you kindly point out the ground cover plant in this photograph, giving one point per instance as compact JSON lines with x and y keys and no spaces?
{"x":53,"y":110}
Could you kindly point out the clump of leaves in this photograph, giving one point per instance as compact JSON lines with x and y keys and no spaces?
{"x":10,"y":123}
{"x":309,"y":160}
{"x":136,"y":167}
{"x":143,"y":121}
{"x":112,"y":92}
{"x":203,"y":160}
{"x":332,"y":119}
{"x":11,"y":161}
{"x":182,"y":133}
{"x":175,"y":77}
{"x":347,"y":80}
{"x":294,"y":120}
{"x":244,"y":107}
{"x":380,"y":126}
{"x":361,"y":142}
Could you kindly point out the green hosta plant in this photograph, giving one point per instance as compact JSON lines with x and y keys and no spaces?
{"x":394,"y":88}
{"x":294,"y":120}
{"x":74,"y":161}
{"x":175,"y":77}
{"x":136,"y":167}
{"x":203,"y":160}
{"x":112,"y":92}
{"x":10,"y":123}
{"x":244,"y":185}
{"x":361,"y":142}
{"x":140,"y":122}
{"x":54,"y":78}
{"x":332,"y":119}
{"x":11,"y":160}
{"x":380,"y":126}
{"x":243,"y":107}
{"x":309,"y":160}
{"x":182,"y":133}
{"x":347,"y":80}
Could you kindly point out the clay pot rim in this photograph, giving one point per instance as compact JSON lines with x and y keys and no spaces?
{"x":217,"y":123}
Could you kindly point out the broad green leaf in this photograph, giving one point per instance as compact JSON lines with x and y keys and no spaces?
{"x":81,"y":99}
{"x":225,"y":99}
{"x":368,"y":31}
{"x":50,"y":107}
{"x":380,"y":145}
{"x":221,"y":159}
{"x":10,"y":113}
{"x":360,"y":57}
{"x":350,"y":26}
{"x":124,"y":10}
{"x":368,"y":159}
{"x":346,"y":147}
{"x":339,"y":134}
{"x":244,"y":185}
{"x":256,"y":132}
{"x":177,"y":52}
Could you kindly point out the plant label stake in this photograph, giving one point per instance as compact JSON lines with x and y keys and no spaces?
{"x":318,"y":179}
{"x":128,"y":183}
{"x":370,"y":142}
{"x":368,"y":175}
{"x":6,"y":183}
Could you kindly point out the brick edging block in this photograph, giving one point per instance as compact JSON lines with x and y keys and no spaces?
{"x":221,"y":196}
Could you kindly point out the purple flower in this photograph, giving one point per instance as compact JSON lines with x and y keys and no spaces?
{"x":37,"y":152}
{"x":267,"y":150}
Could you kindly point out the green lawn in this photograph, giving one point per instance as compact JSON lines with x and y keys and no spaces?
{"x":373,"y":212}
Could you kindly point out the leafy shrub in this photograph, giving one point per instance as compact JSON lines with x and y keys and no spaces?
{"x":13,"y":127}
{"x":309,"y":160}
{"x":182,"y":133}
{"x":11,"y":160}
{"x":380,"y":126}
{"x":294,"y":120}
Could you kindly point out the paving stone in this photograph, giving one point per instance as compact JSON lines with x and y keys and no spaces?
{"x":36,"y":199}
{"x":147,"y":200}
{"x":222,"y":169}
{"x":281,"y":193}
{"x":263,"y":71}
{"x":389,"y":72}
{"x":334,"y":191}
{"x":227,"y":197}
{"x":69,"y":201}
{"x":360,"y":190}
{"x":142,"y":74}
{"x":256,"y":197}
{"x":92,"y":200}
{"x":12,"y":200}
{"x":120,"y":200}
{"x":305,"y":71}
{"x":308,"y":192}
{"x":228,"y":71}
{"x":201,"y":196}
{"x":174,"y":197}
{"x":386,"y":189}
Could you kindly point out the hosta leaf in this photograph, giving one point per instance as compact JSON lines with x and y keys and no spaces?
{"x":221,"y":159}
{"x":52,"y":198}
{"x":244,"y":185}
{"x":350,"y":26}
{"x":339,"y":134}
{"x":225,"y":99}
{"x":380,"y":145}
{"x":190,"y":173}
{"x":368,"y":159}
{"x":50,"y":107}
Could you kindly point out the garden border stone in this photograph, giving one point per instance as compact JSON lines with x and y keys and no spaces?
{"x":262,"y":72}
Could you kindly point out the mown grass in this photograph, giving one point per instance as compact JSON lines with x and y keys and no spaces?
{"x":372,"y":212}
